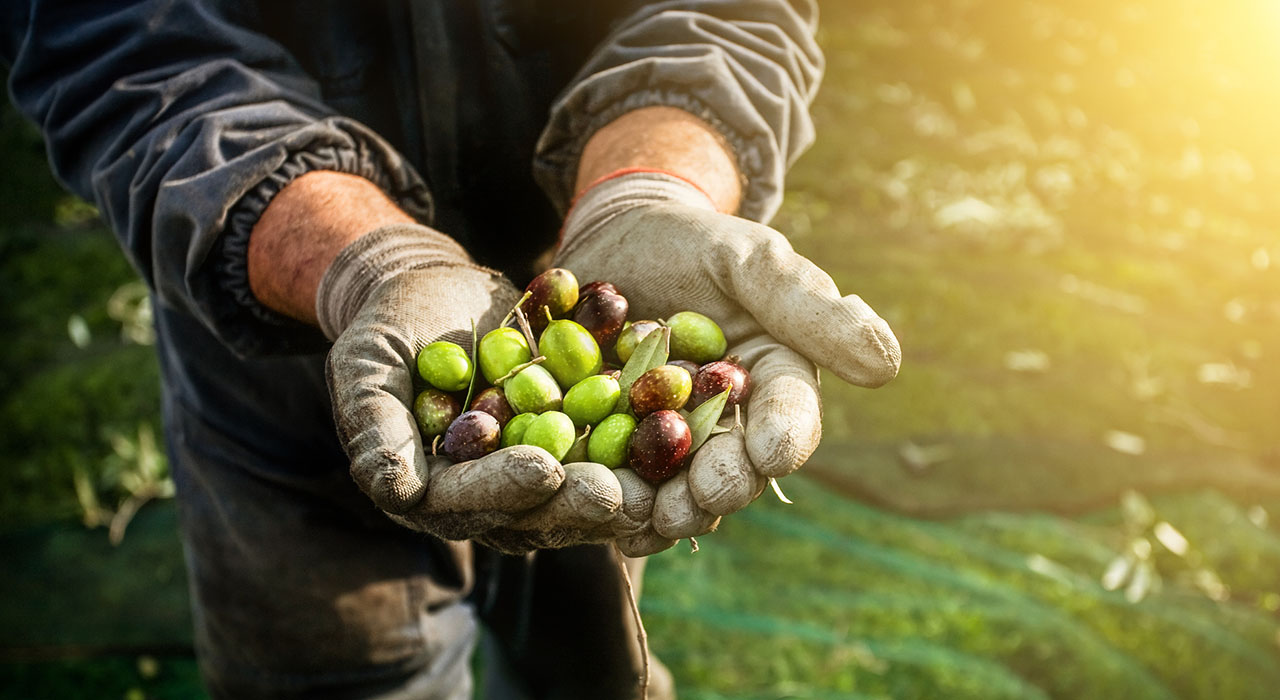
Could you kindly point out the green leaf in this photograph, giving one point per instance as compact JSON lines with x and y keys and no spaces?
{"x":704,"y":418}
{"x":475,"y":368}
{"x":650,"y":353}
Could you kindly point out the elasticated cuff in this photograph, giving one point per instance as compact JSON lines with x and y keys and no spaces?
{"x":750,"y":72}
{"x":242,"y":321}
{"x":373,"y":259}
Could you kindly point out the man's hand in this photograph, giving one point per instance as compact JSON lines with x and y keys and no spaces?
{"x":383,"y":296}
{"x":653,"y":217}
{"x":666,"y":249}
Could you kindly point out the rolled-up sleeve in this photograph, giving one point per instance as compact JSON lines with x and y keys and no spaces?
{"x":749,"y":68}
{"x":181,"y":122}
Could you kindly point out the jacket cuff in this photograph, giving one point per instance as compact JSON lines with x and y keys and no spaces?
{"x":241,"y":321}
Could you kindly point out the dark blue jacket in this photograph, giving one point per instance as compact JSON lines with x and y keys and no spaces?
{"x":181,"y":118}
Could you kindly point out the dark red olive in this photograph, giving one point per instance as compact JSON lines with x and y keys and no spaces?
{"x":659,"y":445}
{"x":555,"y":290}
{"x":493,"y":402}
{"x":714,"y":377}
{"x":602,"y":313}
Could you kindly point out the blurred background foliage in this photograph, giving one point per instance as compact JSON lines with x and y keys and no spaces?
{"x":1064,"y":209}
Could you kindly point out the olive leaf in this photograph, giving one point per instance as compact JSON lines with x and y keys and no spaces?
{"x":705,"y":417}
{"x":475,"y":343}
{"x":650,"y":353}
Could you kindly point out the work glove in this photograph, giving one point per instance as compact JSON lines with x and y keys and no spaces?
{"x":385,"y":297}
{"x":662,"y":243}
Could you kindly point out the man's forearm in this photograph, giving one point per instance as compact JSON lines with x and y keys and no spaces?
{"x":669,"y":139}
{"x":304,"y":228}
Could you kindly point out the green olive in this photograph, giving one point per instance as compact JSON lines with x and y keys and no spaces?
{"x":501,"y":349}
{"x":552,"y":431}
{"x":591,"y":400}
{"x":630,"y":337}
{"x":572,"y":354}
{"x":608,"y":442}
{"x":696,"y":338}
{"x":513,"y":433}
{"x":445,"y":366}
{"x":533,"y":390}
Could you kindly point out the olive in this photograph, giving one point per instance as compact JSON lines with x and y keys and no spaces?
{"x":572,"y":354}
{"x":631,"y":336}
{"x":552,"y":431}
{"x":608,"y":442}
{"x":473,"y":435}
{"x":445,"y":366}
{"x":493,"y":402}
{"x":556,"y":291}
{"x":435,"y":410}
{"x":659,"y":445}
{"x":513,"y":433}
{"x":602,"y":313}
{"x":591,"y":400}
{"x":663,"y":387}
{"x":533,"y":390}
{"x":500,"y":351}
{"x":714,"y":377}
{"x":696,"y":337}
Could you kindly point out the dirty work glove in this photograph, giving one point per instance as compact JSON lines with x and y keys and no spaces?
{"x":663,"y":244}
{"x":385,"y":297}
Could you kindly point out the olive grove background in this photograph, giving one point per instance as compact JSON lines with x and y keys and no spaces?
{"x":1065,"y":210}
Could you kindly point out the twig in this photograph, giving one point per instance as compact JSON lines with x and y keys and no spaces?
{"x":528,"y":332}
{"x":512,"y":313}
{"x":635,"y":614}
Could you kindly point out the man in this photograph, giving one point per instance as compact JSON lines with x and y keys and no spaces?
{"x":286,"y":175}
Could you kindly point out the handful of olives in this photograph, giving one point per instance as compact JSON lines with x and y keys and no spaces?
{"x":556,"y":382}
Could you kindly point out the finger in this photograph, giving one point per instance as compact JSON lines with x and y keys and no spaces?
{"x":512,"y":479}
{"x":644,"y":543}
{"x":371,"y":384}
{"x":469,"y":498}
{"x":637,"y":502}
{"x":675,"y":512}
{"x":589,"y":496}
{"x":784,"y":411}
{"x":799,"y":304}
{"x":722,"y":479}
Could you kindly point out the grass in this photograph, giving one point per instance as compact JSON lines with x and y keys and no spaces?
{"x":1062,"y":208}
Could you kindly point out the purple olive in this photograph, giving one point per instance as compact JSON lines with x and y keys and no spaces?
{"x":714,"y":377}
{"x":659,"y":446}
{"x":473,"y":435}
{"x":595,"y":287}
{"x":602,"y":313}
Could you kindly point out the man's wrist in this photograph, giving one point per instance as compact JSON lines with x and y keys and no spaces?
{"x":669,"y":140}
{"x":304,"y":228}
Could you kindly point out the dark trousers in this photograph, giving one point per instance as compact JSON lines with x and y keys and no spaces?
{"x":301,"y":588}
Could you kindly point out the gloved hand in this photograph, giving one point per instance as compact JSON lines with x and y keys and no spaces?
{"x":662,"y":243}
{"x":385,"y":297}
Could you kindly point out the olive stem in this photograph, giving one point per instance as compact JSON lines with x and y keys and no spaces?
{"x":693,"y":545}
{"x":527,"y":330}
{"x":519,"y":368}
{"x":434,"y":442}
{"x":511,"y":314}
